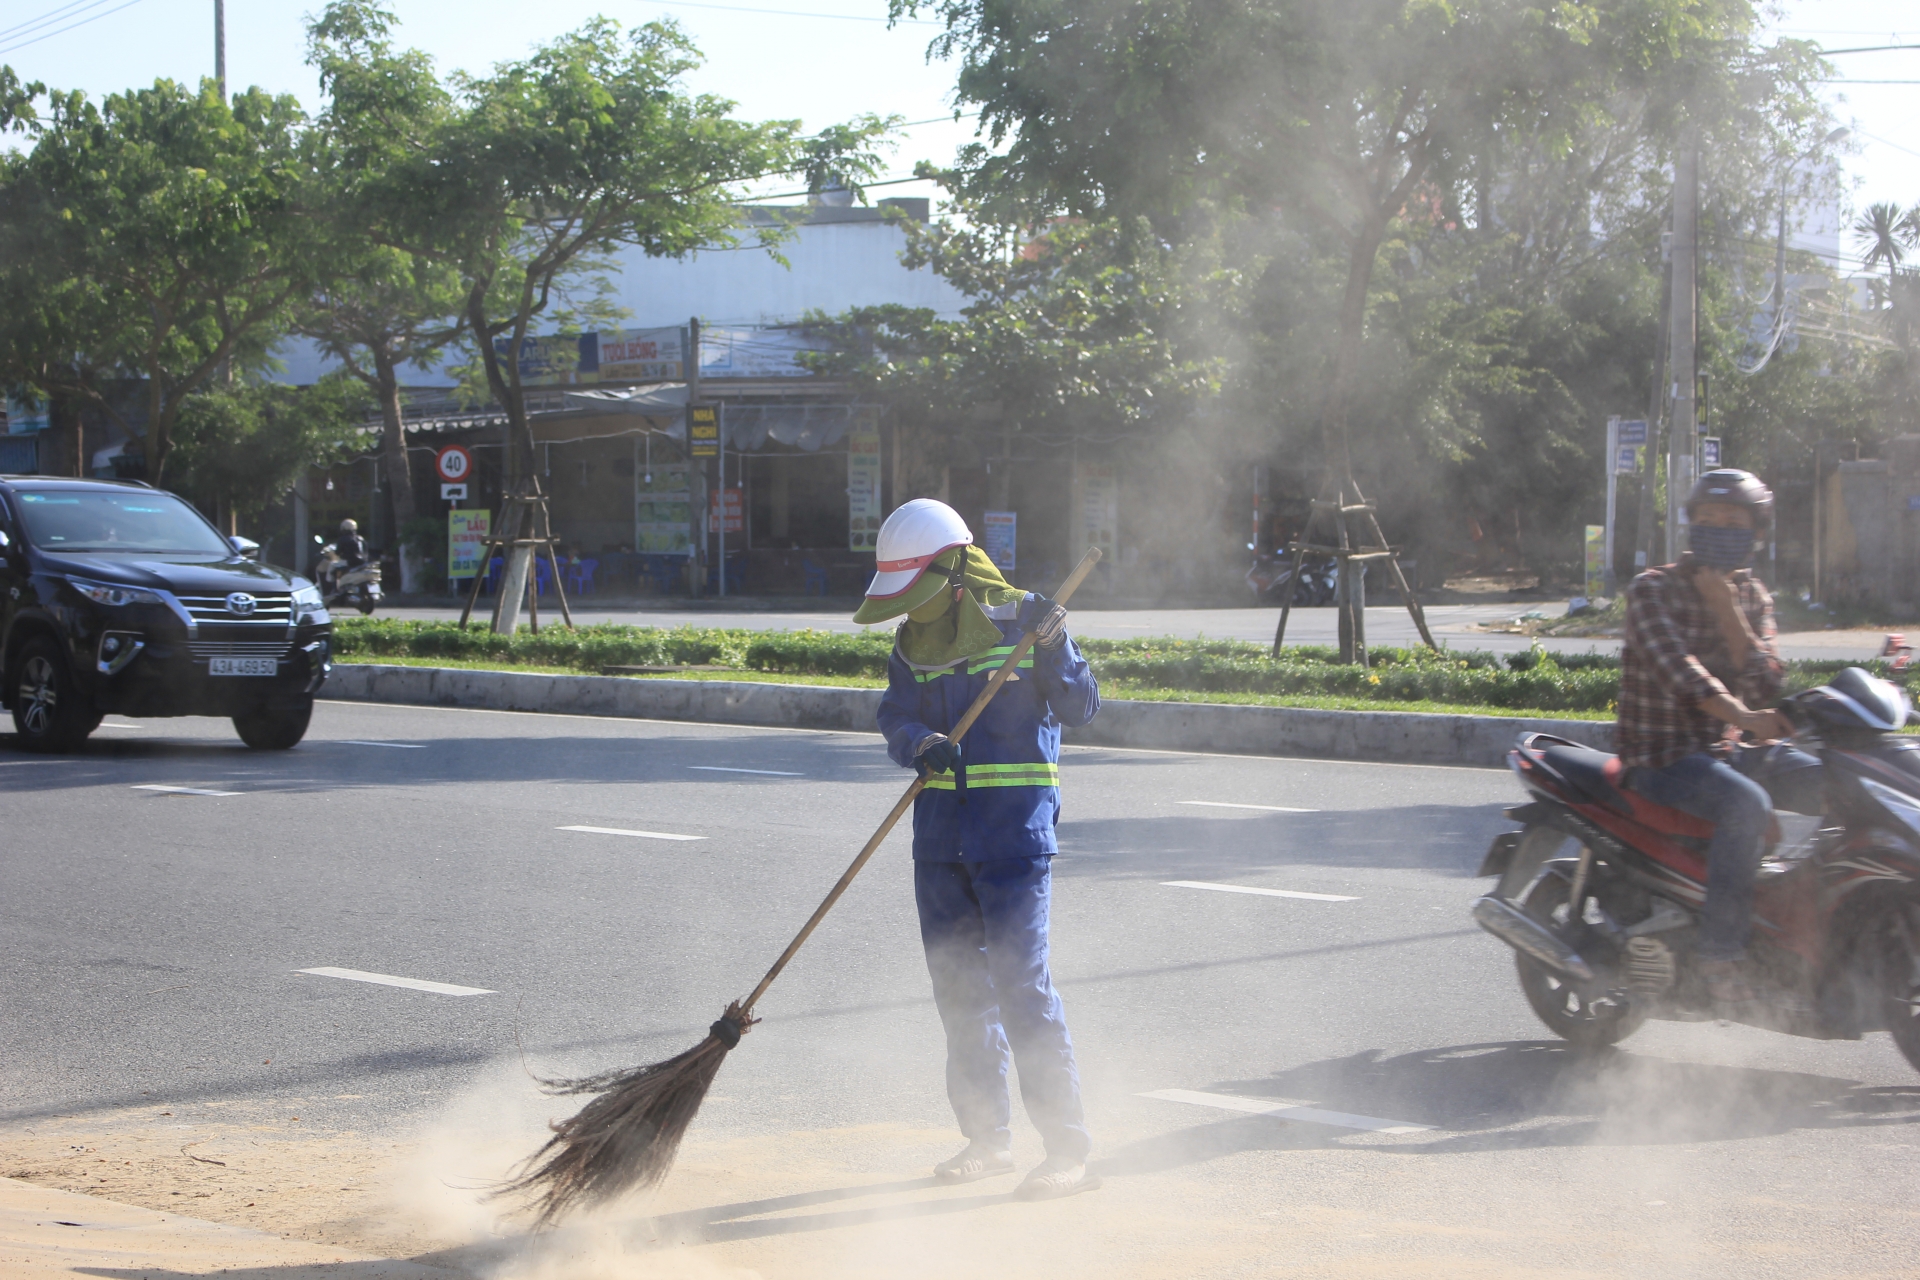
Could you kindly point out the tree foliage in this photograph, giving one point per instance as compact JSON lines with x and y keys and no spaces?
{"x":239,"y":448}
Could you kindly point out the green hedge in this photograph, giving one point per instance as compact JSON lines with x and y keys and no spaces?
{"x":1530,"y":679}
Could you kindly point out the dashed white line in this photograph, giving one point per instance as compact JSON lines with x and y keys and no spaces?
{"x":181,"y":791}
{"x":622,"y":831}
{"x":388,"y":980}
{"x":1266,"y":808}
{"x":402,"y":746}
{"x":771,"y":773}
{"x":1282,"y":1110}
{"x":1265,"y":893}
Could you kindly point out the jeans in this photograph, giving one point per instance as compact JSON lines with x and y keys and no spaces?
{"x":984,"y":926}
{"x":1740,"y":809}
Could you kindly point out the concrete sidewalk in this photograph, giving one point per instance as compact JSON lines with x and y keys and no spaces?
{"x":46,"y":1234}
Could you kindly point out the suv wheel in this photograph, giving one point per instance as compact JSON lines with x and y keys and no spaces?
{"x":265,"y":730}
{"x":48,"y":714}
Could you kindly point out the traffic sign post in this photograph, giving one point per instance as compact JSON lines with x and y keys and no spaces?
{"x":1625,"y":439}
{"x":454,"y":463}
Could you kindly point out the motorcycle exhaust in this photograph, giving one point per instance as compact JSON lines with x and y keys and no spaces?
{"x":1525,"y":934}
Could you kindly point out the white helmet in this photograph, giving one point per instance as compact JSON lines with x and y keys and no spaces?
{"x":913,"y":536}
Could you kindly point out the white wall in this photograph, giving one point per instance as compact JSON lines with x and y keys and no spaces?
{"x":832,"y":267}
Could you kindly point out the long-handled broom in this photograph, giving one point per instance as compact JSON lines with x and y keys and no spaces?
{"x":625,"y":1139}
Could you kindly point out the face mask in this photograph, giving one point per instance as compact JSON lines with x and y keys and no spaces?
{"x":1720,"y":547}
{"x":933,"y":609}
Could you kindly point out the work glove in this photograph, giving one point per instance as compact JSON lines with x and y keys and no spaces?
{"x":940,"y":755}
{"x":1047,"y":620}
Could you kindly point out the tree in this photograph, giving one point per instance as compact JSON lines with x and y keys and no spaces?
{"x":148,"y":243}
{"x":1882,"y":232}
{"x":545,"y":165}
{"x":239,"y":448}
{"x":381,"y":308}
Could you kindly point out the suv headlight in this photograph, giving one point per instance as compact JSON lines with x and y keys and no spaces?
{"x":111,"y":593}
{"x":309,"y":605}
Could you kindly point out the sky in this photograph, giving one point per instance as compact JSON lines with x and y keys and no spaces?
{"x":816,"y":60}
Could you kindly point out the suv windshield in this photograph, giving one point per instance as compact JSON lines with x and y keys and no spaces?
{"x":143,"y":522}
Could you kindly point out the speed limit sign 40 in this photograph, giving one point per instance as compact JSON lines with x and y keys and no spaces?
{"x":454,"y":463}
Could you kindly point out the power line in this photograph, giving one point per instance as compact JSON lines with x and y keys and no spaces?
{"x":63,"y":30}
{"x":52,"y":15}
{"x":791,"y":13}
{"x":1870,"y":48}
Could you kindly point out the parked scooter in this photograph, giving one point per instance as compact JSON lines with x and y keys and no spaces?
{"x":358,"y":586}
{"x":1272,"y":573}
{"x":1600,"y":892}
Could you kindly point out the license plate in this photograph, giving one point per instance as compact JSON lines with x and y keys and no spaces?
{"x":242,"y":667}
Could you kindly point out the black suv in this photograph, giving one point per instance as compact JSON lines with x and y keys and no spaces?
{"x":115,"y":596}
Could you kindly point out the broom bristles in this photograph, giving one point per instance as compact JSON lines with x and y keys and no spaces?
{"x":626,"y":1138}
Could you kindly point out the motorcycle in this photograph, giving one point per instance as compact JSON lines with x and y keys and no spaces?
{"x":1272,"y":572}
{"x":1600,"y":890}
{"x":358,"y":586}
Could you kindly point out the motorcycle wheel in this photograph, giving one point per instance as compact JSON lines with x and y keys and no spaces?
{"x":365,"y":604}
{"x":1898,"y":929}
{"x":1556,"y":1001}
{"x":274,"y":730}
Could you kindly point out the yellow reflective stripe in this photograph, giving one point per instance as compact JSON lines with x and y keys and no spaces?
{"x":1001,"y":775}
{"x":944,"y":782}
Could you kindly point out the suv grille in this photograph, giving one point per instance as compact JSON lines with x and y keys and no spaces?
{"x":271,"y":607}
{"x":204,"y":649}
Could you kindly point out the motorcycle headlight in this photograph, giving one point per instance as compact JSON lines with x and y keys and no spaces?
{"x":112,"y":594}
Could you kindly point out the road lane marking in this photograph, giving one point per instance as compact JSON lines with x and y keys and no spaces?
{"x":1282,"y":1110}
{"x":771,"y":773}
{"x":1223,"y":804}
{"x":1265,"y":893}
{"x":181,"y":791}
{"x":621,"y":831}
{"x":388,"y":980}
{"x":361,"y":742}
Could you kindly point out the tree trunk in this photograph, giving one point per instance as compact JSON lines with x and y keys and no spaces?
{"x":1352,"y":337}
{"x":519,"y":440}
{"x":393,"y":442}
{"x":63,"y":416}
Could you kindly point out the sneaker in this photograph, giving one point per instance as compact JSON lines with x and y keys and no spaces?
{"x":1056,"y":1178}
{"x":973,"y":1163}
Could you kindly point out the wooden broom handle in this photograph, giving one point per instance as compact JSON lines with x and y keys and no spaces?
{"x":899,"y":811}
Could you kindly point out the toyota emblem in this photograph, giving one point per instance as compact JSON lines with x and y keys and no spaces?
{"x":241,"y":603}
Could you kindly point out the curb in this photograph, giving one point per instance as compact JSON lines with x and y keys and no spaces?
{"x":1394,"y":737}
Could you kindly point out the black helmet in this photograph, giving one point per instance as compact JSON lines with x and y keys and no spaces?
{"x":1736,"y":488}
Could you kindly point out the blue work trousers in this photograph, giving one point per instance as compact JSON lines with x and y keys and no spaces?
{"x":984,"y":926}
{"x":1737,"y":800}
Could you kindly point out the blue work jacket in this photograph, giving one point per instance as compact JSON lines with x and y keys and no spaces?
{"x":1006,"y":799}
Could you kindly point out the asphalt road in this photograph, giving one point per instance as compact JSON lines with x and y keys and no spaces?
{"x":151,"y":943}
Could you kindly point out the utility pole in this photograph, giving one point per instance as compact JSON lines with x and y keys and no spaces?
{"x":220,"y":46}
{"x":1682,"y":445}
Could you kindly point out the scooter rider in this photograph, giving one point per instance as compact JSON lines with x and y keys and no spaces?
{"x":350,"y":545}
{"x":983,"y":830}
{"x":1699,"y":661}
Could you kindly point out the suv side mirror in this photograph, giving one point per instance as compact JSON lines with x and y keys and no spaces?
{"x":246,"y":547}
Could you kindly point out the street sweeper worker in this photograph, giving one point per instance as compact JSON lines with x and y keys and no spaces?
{"x":983,"y":830}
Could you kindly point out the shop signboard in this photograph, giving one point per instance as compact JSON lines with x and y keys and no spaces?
{"x":703,"y":431}
{"x":736,"y":520}
{"x":753,"y":353}
{"x":467,"y":533}
{"x":662,"y":513}
{"x":998,"y":539}
{"x":1097,"y":486}
{"x":556,"y":360}
{"x":863,"y":486}
{"x":641,"y":355}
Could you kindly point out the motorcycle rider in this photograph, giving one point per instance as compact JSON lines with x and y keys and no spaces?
{"x":983,"y":831}
{"x":1699,"y":664}
{"x":352,"y":547}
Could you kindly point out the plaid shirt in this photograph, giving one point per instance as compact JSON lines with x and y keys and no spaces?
{"x":1676,"y":658}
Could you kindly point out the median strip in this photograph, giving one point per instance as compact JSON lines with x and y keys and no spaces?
{"x":1282,"y":1110}
{"x":622,"y":831}
{"x":388,"y":980}
{"x":1265,"y":893}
